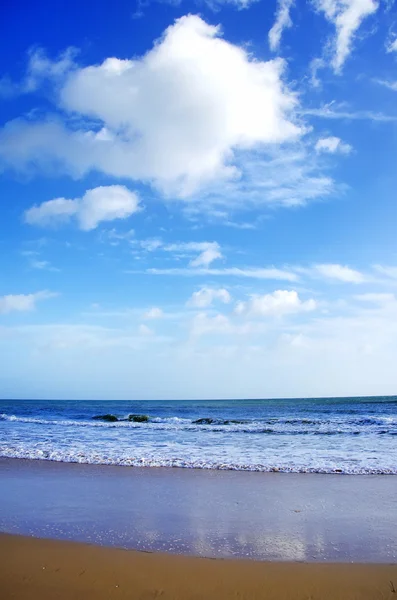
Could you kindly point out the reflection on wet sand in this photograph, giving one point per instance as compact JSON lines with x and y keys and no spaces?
{"x":207,"y":513}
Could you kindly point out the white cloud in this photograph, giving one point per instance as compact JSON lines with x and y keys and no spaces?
{"x":174,"y":117}
{"x":145,"y":330}
{"x":332,"y":145}
{"x":391,"y":85}
{"x":150,"y":245}
{"x":104,"y":203}
{"x":153,"y":313}
{"x":207,"y":256}
{"x":283,"y":21}
{"x":340,"y":111}
{"x":209,"y":251}
{"x":347,"y":16}
{"x":39,"y":69}
{"x":23,"y":302}
{"x":376,"y":298}
{"x":316,"y":65}
{"x":338,"y":273}
{"x":279,"y":303}
{"x":246,"y":272}
{"x":392,"y":46}
{"x":387,"y":270}
{"x":203,"y":324}
{"x":205,"y":296}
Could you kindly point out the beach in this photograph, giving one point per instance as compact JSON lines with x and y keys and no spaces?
{"x":75,"y":524}
{"x":208,"y":513}
{"x":36,"y":569}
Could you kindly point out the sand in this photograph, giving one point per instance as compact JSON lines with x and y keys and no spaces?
{"x":38,"y":569}
{"x":214,"y":514}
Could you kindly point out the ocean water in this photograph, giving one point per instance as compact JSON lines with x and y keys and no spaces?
{"x":334,"y":435}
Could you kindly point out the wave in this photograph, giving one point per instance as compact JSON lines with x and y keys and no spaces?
{"x":149,"y":461}
{"x":274,"y":426}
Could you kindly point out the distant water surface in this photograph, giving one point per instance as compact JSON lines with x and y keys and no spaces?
{"x":334,"y":435}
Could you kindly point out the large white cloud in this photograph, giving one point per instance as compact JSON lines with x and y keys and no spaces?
{"x":173,"y":117}
{"x":347,"y":16}
{"x":104,"y":203}
{"x":278,"y":303}
{"x":22,"y":302}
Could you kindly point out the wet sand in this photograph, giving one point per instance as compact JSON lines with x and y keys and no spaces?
{"x":36,"y":569}
{"x":225,"y":514}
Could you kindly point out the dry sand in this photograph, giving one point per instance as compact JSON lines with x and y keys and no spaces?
{"x":37,"y":569}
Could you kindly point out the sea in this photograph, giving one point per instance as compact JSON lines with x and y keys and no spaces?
{"x":317,"y":435}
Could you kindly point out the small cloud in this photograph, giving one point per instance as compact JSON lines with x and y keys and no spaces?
{"x":151,"y":245}
{"x":153,"y":313}
{"x":23,"y":302}
{"x":339,"y":273}
{"x":245,"y":272}
{"x":316,"y":65}
{"x":332,"y":145}
{"x":203,"y":324}
{"x":392,"y":46}
{"x":144,"y":330}
{"x":347,"y":16}
{"x":206,"y":296}
{"x":208,"y":255}
{"x":377,"y":298}
{"x":104,"y":203}
{"x":387,"y":270}
{"x":279,"y":303}
{"x":283,"y":21}
{"x":391,"y":85}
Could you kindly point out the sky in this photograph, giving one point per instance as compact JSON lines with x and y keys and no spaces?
{"x":198,"y":199}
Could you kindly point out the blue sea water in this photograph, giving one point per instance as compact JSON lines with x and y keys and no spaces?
{"x":334,"y":435}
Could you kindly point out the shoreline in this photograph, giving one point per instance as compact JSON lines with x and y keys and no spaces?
{"x":217,"y":514}
{"x":274,"y":470}
{"x":38,"y":569}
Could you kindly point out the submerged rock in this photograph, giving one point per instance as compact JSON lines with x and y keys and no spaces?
{"x":208,"y":421}
{"x":138,"y":418}
{"x":110,"y":418}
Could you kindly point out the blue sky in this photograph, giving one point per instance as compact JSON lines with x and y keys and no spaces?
{"x":198,"y":199}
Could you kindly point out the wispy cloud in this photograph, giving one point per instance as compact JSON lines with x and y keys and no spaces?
{"x":389,"y":271}
{"x":337,"y":272}
{"x":337,"y":111}
{"x":249,"y":272}
{"x":391,"y":85}
{"x":282,"y":21}
{"x":346,"y":16}
{"x":23,"y":302}
{"x":391,"y":46}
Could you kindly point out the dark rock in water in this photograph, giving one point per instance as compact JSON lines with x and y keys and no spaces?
{"x":138,"y":418}
{"x":110,"y":418}
{"x":203,"y":421}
